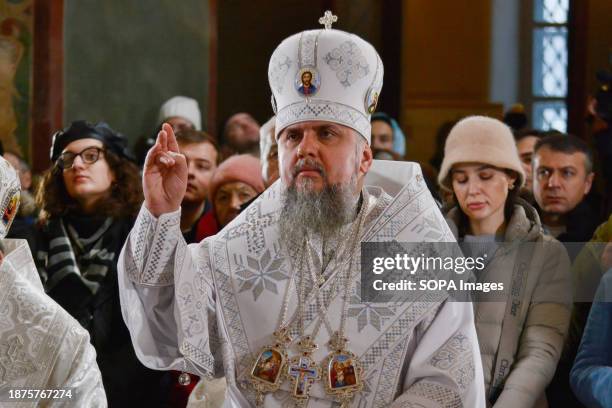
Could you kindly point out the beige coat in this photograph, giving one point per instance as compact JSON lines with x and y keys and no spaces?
{"x":543,"y":316}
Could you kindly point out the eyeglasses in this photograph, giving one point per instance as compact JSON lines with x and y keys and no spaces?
{"x":89,"y":155}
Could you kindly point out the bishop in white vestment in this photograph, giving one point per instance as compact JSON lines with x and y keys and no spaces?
{"x":251,"y":301}
{"x":43,"y":350}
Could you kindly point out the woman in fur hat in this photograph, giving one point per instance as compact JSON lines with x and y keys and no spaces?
{"x":520,"y":329}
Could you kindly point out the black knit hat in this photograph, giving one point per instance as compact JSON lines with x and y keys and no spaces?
{"x":80,"y":129}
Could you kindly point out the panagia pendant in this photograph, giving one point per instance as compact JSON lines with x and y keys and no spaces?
{"x":267,"y":372}
{"x":342,"y":373}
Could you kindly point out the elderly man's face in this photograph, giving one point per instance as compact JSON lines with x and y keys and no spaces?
{"x":560,"y":180}
{"x":316,"y":154}
{"x":228,"y":199}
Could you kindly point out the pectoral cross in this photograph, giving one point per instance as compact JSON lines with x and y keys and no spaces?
{"x":303,"y":372}
{"x":328,"y":19}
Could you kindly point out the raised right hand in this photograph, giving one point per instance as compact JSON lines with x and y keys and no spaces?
{"x":164,"y":178}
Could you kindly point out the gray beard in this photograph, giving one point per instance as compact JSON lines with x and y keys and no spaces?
{"x":322,"y":213}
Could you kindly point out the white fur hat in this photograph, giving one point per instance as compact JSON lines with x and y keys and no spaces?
{"x":480,"y":139}
{"x":183,"y":107}
{"x":346,"y":77}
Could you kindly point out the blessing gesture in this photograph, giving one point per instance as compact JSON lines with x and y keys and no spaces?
{"x":164,"y":179}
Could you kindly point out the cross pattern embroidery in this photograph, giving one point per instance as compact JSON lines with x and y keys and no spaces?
{"x":303,"y":374}
{"x":253,"y":227}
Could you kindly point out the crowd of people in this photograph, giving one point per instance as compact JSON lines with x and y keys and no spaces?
{"x":496,"y":186}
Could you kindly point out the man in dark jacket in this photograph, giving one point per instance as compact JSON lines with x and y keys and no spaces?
{"x":562,"y":180}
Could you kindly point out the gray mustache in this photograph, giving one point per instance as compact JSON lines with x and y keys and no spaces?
{"x":308,"y":163}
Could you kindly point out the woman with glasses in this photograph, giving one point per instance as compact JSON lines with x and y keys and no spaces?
{"x":88,"y":200}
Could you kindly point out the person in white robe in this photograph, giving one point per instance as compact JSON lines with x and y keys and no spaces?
{"x":285,"y":272}
{"x":46,"y":358}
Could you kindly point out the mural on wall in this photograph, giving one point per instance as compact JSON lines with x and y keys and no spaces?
{"x":122,"y":60}
{"x":16,"y":22}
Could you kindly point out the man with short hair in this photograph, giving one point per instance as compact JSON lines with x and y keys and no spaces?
{"x":202,"y":155}
{"x":275,"y":295}
{"x":241,"y":135}
{"x":562,"y":178}
{"x":525,"y":144}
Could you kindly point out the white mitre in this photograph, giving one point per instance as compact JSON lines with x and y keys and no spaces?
{"x":346,"y":72}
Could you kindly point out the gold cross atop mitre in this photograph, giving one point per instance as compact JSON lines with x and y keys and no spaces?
{"x":328,"y":19}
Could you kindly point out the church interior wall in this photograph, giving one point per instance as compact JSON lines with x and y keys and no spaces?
{"x":250,"y":31}
{"x":116,"y":63}
{"x":123,"y":64}
{"x":446,"y":60}
{"x":599,"y":39}
{"x":505,"y":52}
